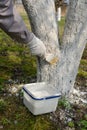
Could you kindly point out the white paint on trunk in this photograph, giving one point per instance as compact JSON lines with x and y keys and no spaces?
{"x":43,"y":21}
{"x":78,"y":97}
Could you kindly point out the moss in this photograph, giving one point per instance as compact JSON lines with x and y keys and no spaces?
{"x":83,"y":65}
{"x":82,"y":73}
{"x":1,"y":88}
{"x":38,"y":124}
{"x":15,"y":59}
{"x":5,"y":121}
{"x":83,"y":62}
{"x":12,"y":57}
{"x":71,"y":124}
{"x":2,"y":105}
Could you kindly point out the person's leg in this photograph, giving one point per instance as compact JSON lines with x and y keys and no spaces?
{"x":12,"y":23}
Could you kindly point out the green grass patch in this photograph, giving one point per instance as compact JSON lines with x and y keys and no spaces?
{"x":82,"y":73}
{"x":61,"y":27}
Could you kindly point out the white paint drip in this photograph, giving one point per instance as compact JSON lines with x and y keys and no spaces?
{"x":78,"y":96}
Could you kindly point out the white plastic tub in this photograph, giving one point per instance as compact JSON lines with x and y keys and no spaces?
{"x":40,"y":98}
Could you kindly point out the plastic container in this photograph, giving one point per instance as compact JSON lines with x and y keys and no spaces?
{"x":40,"y":98}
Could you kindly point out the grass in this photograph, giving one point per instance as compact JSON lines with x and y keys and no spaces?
{"x":61,"y":27}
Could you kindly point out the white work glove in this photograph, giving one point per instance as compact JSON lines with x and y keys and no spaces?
{"x":38,"y":48}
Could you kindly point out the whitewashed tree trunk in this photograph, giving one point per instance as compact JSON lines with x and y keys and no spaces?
{"x":43,"y":22}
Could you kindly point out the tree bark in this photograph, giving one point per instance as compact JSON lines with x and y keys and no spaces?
{"x":42,"y":16}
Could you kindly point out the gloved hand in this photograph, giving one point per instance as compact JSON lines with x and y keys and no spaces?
{"x":38,"y":48}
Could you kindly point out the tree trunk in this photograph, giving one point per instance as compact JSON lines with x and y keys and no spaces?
{"x":42,"y":16}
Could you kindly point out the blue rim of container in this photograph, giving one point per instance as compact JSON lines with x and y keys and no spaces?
{"x":45,"y":98}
